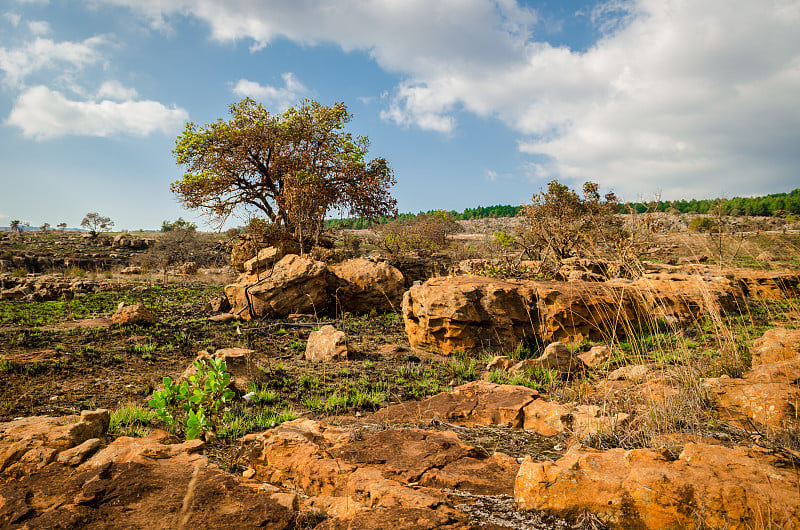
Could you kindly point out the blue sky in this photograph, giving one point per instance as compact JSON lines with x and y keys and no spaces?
{"x":472,"y":102}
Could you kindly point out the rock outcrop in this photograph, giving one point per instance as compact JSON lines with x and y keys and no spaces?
{"x":297,"y":284}
{"x":708,"y":486}
{"x":472,"y":312}
{"x":361,"y":285}
{"x":485,"y":403}
{"x":294,"y":285}
{"x":777,"y":344}
{"x":389,"y":475}
{"x":64,"y":476}
{"x":767,"y":396}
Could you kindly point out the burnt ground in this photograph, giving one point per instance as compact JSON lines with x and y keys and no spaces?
{"x":61,"y":357}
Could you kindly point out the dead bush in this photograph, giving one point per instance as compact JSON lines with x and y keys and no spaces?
{"x":424,"y":232}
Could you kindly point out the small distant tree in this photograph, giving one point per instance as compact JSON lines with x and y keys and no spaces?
{"x":16,"y":225}
{"x":96,"y":223}
{"x":45,"y":227}
{"x":179,"y":224}
{"x":62,"y":226}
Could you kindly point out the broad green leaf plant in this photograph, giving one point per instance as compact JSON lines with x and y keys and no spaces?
{"x":195,"y":406}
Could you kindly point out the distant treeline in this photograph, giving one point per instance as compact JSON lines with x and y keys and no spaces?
{"x":768,"y":205}
{"x":481,"y":212}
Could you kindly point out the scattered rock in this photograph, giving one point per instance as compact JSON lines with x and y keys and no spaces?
{"x":219,"y":304}
{"x":707,"y":486}
{"x":631,"y":372}
{"x":133,"y":269}
{"x":595,"y":356}
{"x":265,"y":258}
{"x":777,"y":344}
{"x":500,"y":362}
{"x":133,"y":314}
{"x":556,"y":357}
{"x":325,"y":345}
{"x":190,"y":267}
{"x":240,"y":363}
{"x":223,"y":318}
{"x":765,"y":257}
{"x":547,"y":418}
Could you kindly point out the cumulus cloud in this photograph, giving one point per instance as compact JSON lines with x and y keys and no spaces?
{"x":277,"y":99}
{"x":13,"y":18}
{"x":678,"y":95}
{"x":116,"y":91}
{"x":39,"y":27}
{"x":39,"y":54}
{"x":42,"y":114}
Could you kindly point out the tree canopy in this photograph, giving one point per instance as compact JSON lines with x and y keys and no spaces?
{"x":94,"y":222}
{"x":294,"y":167}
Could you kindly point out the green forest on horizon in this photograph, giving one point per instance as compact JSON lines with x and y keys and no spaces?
{"x":776,"y":204}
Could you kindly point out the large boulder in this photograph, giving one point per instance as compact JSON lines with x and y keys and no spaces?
{"x":708,"y":486}
{"x":361,"y":285}
{"x":474,"y":312}
{"x":294,"y":285}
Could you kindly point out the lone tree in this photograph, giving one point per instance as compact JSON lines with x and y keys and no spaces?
{"x":16,"y":225}
{"x":293,"y":167}
{"x":95,"y":223}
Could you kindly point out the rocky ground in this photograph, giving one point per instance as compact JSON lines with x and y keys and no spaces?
{"x":669,"y":399}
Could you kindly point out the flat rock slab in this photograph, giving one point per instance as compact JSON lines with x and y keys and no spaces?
{"x":708,"y":486}
{"x":476,"y":403}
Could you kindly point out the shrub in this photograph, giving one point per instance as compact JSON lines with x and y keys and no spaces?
{"x":425,"y":231}
{"x":701,"y":224}
{"x":195,"y":406}
{"x":559,"y":223}
{"x":179,"y":224}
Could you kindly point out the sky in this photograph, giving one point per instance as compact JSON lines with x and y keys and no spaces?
{"x":472,"y":102}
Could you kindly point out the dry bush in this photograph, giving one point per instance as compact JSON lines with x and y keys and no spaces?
{"x":424,"y":232}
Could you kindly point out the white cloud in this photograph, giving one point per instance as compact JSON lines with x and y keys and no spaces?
{"x":13,"y":18}
{"x":277,"y":99}
{"x":39,"y":27}
{"x":42,"y":113}
{"x":116,"y":91}
{"x":39,"y":54}
{"x":679,"y":95}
